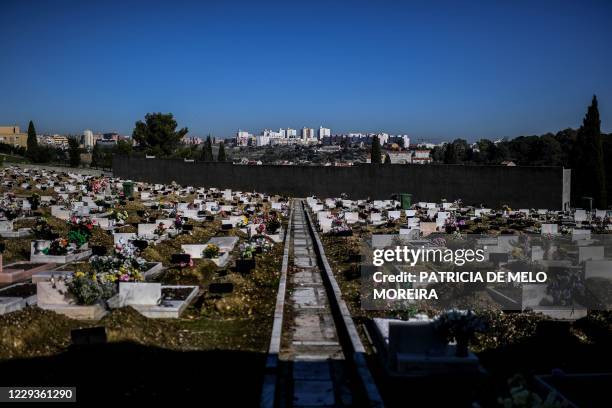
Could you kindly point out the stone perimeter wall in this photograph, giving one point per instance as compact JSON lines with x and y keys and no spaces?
{"x":493,"y":186}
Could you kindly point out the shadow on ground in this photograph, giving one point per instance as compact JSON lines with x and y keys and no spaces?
{"x":119,"y":371}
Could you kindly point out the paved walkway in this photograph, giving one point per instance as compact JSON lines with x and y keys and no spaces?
{"x":310,"y":347}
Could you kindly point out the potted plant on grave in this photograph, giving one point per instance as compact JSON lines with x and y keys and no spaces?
{"x":80,"y":231}
{"x":272,"y":225}
{"x":89,"y":288}
{"x":246,"y":263}
{"x":461,"y":326}
{"x":179,"y":222}
{"x":160,"y":230}
{"x":211,"y":251}
{"x":118,"y":216}
{"x":34,"y":200}
{"x":340,"y":229}
{"x":58,"y":247}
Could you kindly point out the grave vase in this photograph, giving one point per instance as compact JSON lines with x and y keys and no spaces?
{"x":40,"y":245}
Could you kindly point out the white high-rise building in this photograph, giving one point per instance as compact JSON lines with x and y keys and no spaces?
{"x":308,"y":133}
{"x":291,"y":133}
{"x":262,"y":140}
{"x":88,"y":138}
{"x":243,"y":137}
{"x":324,"y":132}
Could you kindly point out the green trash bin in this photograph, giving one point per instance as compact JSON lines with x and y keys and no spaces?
{"x":406,"y":201}
{"x":128,"y":189}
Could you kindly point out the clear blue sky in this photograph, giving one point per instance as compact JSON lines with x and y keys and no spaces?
{"x":435,"y":70}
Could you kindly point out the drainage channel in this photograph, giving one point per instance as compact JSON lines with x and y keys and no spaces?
{"x":315,"y":367}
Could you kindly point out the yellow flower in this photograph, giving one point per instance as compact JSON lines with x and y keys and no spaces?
{"x":79,"y":274}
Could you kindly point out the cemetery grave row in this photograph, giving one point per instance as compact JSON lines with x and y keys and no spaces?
{"x":100,"y":243}
{"x":424,"y":340}
{"x":577,"y":235}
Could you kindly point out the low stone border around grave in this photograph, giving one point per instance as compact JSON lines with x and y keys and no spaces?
{"x":561,"y":313}
{"x":45,"y":276}
{"x":78,"y":312}
{"x":16,"y":272}
{"x":221,"y":260}
{"x":60,"y":259}
{"x":169,"y":309}
{"x":20,"y":233}
{"x":52,"y":297}
{"x":30,"y":300}
{"x":11,"y":304}
{"x":155,"y":269}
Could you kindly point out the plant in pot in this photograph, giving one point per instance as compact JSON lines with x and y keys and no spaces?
{"x":211,"y":251}
{"x":461,"y":326}
{"x":118,"y":216}
{"x":34,"y":200}
{"x":78,"y":238}
{"x":160,"y":230}
{"x":246,"y":263}
{"x":58,"y":247}
{"x":80,"y":231}
{"x":272,"y":225}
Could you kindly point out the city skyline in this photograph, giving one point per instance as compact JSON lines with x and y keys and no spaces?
{"x":435,"y":72}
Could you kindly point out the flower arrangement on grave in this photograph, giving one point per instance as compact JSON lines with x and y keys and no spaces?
{"x":459,"y":325}
{"x":272,"y":225}
{"x":160,"y":230}
{"x":58,"y":247}
{"x":102,"y":264}
{"x":80,"y":230}
{"x":179,"y":222}
{"x":89,"y":288}
{"x":42,"y":229}
{"x":242,"y":222}
{"x":127,"y":254}
{"x":126,"y":274}
{"x":186,"y":264}
{"x":118,"y":216}
{"x":211,"y":251}
{"x":247,"y":251}
{"x":339,"y":227}
{"x":78,"y":238}
{"x":34,"y":200}
{"x":97,"y":185}
{"x":261,"y":244}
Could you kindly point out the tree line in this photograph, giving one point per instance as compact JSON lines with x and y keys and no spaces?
{"x":586,"y":151}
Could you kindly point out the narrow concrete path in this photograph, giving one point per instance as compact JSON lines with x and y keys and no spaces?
{"x":311,"y":351}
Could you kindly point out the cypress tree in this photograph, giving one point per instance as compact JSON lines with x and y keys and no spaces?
{"x":207,"y":154}
{"x":590,"y":176}
{"x":32,"y":141}
{"x":221,"y":155}
{"x":387,"y":159}
{"x":375,"y":152}
{"x":74,"y":152}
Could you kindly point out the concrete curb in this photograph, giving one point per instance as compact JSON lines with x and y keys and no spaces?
{"x":268,"y":393}
{"x":358,"y":355}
